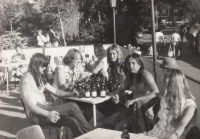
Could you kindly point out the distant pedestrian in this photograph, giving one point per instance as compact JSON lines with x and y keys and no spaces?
{"x":197,"y":45}
{"x":194,"y":43}
{"x":175,"y":42}
{"x":160,"y":41}
{"x":54,"y":38}
{"x":41,"y":39}
{"x":182,"y":31}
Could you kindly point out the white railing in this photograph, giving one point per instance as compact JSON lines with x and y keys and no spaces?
{"x":53,"y":52}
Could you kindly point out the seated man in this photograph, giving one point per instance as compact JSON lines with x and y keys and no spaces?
{"x":33,"y":84}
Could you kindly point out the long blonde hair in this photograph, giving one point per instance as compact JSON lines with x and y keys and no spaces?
{"x":176,"y":89}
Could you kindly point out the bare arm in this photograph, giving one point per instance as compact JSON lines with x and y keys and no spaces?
{"x":58,"y":92}
{"x":149,"y":82}
{"x":98,"y":67}
{"x":27,"y":90}
{"x":62,"y":81}
{"x":187,"y":116}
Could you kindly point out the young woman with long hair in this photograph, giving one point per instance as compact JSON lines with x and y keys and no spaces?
{"x":32,"y":86}
{"x":177,"y":104}
{"x":116,"y":77}
{"x":143,"y":87}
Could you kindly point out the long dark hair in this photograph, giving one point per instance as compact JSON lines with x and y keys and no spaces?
{"x":36,"y":61}
{"x":131,"y":76}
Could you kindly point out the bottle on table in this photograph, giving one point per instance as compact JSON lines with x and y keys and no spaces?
{"x":93,"y":92}
{"x":87,"y":92}
{"x":80,"y":90}
{"x":125,"y":134}
{"x":102,"y":91}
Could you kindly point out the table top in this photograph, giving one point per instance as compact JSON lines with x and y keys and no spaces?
{"x":96,"y":100}
{"x":13,"y":64}
{"x":100,"y":133}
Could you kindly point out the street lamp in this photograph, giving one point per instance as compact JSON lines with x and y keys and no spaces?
{"x":113,"y":5}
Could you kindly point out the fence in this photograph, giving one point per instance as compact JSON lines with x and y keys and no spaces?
{"x":53,"y":52}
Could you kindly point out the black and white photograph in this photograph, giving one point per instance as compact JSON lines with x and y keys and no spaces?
{"x":99,"y":69}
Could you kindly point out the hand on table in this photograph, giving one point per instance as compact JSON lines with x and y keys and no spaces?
{"x":129,"y":102}
{"x":53,"y":116}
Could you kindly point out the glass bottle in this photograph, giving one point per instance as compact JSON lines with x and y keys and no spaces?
{"x":125,"y":134}
{"x":80,"y":90}
{"x":93,"y":92}
{"x":102,"y":91}
{"x":87,"y":92}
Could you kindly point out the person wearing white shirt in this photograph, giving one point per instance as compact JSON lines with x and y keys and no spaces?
{"x":41,"y":39}
{"x":159,"y":40}
{"x":175,"y":41}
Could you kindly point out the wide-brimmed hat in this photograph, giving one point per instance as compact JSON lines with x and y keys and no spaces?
{"x":170,"y":63}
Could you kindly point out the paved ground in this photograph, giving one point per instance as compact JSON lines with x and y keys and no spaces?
{"x":13,"y":118}
{"x":190,"y":66}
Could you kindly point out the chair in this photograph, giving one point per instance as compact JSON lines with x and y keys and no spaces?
{"x":43,"y":127}
{"x":190,"y":124}
{"x":32,"y":132}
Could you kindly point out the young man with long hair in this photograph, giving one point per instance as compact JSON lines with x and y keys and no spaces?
{"x":32,"y":87}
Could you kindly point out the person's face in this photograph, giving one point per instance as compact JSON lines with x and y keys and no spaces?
{"x":166,"y":71}
{"x":112,"y":55}
{"x":19,"y":50}
{"x":42,"y":69}
{"x":76,"y":62}
{"x":132,"y":65}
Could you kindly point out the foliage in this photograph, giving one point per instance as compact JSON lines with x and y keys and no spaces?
{"x":11,"y":13}
{"x":66,"y":10}
{"x":12,"y":39}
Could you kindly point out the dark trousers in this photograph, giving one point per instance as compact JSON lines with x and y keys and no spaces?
{"x":70,"y":116}
{"x":108,"y":108}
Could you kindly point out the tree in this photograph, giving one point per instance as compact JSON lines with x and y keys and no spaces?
{"x":11,"y":14}
{"x":12,"y":39}
{"x":62,"y":11}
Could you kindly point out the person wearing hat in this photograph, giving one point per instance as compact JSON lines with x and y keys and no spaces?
{"x":177,"y":105}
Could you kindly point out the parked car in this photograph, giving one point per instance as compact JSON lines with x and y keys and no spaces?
{"x":162,"y":25}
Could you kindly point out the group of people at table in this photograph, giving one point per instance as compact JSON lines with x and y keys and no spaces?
{"x":176,"y":105}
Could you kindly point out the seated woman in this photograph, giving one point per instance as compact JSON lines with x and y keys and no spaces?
{"x":100,"y":65}
{"x":18,"y":72}
{"x":68,"y":73}
{"x":116,"y":77}
{"x":141,"y":83}
{"x":33,"y":84}
{"x":177,"y":104}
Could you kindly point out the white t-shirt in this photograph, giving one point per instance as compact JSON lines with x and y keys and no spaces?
{"x":176,"y":37}
{"x":158,"y":36}
{"x":41,"y":40}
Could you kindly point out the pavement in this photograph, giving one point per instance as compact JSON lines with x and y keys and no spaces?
{"x":13,"y":118}
{"x":189,"y":65}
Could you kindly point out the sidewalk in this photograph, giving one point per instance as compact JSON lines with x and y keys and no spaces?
{"x":190,"y":66}
{"x":13,"y":118}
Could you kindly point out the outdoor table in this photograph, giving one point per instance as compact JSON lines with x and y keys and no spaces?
{"x":100,"y":133}
{"x":92,"y":101}
{"x":8,"y":67}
